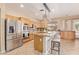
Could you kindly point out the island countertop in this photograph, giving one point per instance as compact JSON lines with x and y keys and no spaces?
{"x":42,"y":34}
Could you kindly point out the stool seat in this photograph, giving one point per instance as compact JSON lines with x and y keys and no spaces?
{"x":57,"y":40}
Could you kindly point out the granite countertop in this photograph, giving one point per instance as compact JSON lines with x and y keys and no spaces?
{"x":42,"y":34}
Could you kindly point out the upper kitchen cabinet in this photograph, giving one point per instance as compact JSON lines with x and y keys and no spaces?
{"x":10,"y":17}
{"x":27,"y":21}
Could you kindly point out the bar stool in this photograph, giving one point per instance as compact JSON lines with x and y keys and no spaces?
{"x":55,"y":46}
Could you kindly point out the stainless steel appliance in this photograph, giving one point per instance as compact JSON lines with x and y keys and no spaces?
{"x":19,"y":32}
{"x":13,"y":36}
{"x":25,"y":31}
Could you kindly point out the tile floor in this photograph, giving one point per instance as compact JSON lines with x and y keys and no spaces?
{"x":68,"y":47}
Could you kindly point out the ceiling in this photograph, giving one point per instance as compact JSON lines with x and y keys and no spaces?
{"x":32,"y":10}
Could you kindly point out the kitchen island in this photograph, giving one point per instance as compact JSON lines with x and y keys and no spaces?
{"x":42,"y":42}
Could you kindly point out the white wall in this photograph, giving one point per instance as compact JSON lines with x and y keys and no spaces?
{"x":2,"y":33}
{"x":64,"y":25}
{"x":60,"y":24}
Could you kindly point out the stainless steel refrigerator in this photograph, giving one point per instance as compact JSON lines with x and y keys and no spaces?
{"x":13,"y":34}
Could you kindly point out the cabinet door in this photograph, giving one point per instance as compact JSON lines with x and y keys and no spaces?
{"x":62,"y":35}
{"x":71,"y":35}
{"x":38,"y":43}
{"x":31,"y":36}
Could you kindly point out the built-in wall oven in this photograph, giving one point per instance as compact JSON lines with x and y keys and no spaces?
{"x":25,"y":31}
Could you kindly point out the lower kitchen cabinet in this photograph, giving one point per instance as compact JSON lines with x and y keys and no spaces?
{"x":31,"y":36}
{"x":68,"y":35}
{"x":38,"y":43}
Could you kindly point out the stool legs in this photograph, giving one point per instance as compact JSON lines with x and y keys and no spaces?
{"x":53,"y":45}
{"x":59,"y":48}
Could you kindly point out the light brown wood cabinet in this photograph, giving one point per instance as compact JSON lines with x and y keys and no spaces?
{"x":38,"y":43}
{"x":31,"y":36}
{"x":68,"y":35}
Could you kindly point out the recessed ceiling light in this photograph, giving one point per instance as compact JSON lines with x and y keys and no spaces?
{"x":21,"y":5}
